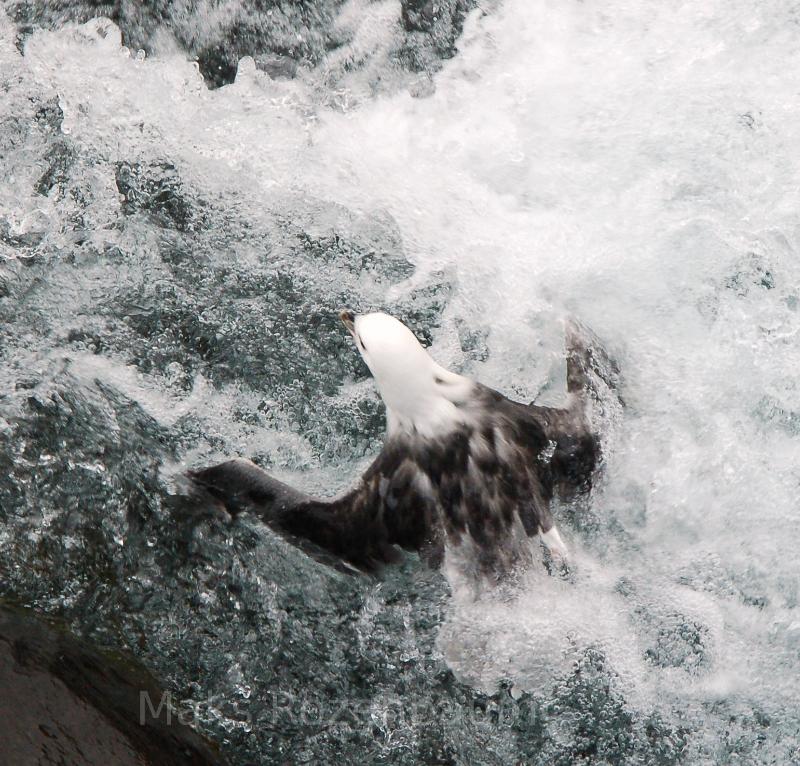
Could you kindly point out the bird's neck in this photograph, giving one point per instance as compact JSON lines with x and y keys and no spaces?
{"x":429,"y":414}
{"x":428,"y":425}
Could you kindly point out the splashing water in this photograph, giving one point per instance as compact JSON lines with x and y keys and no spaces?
{"x":634,"y":166}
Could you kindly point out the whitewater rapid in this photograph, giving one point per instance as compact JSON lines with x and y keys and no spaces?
{"x":631,"y":165}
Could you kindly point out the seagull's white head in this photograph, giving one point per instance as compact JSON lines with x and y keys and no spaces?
{"x":419,"y":394}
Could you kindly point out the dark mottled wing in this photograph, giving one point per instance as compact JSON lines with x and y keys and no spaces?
{"x":492,"y":489}
{"x":240,"y":485}
{"x":575,"y":449}
{"x":593,"y":377}
{"x":389,"y":507}
{"x":526,"y":463}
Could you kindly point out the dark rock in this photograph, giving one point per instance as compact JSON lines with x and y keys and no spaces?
{"x":5,"y":284}
{"x":680,"y":643}
{"x":30,"y":239}
{"x":420,"y":15}
{"x":298,"y":34}
{"x":218,"y":65}
{"x":751,"y":271}
{"x":277,"y":66}
{"x":59,"y":159}
{"x":769,"y":410}
{"x":83,"y":460}
{"x":64,"y":701}
{"x":155,"y":189}
{"x":50,"y":114}
{"x":432,"y":26}
{"x":281,"y":37}
{"x":473,"y":342}
{"x":601,"y":727}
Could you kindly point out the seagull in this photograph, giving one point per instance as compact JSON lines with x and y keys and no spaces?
{"x":465,"y":475}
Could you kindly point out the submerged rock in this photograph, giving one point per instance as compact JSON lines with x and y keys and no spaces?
{"x":281,"y":37}
{"x":680,"y":643}
{"x":157,"y":190}
{"x":432,"y":26}
{"x":150,"y":269}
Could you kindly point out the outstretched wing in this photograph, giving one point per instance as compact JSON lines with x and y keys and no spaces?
{"x":390,"y":507}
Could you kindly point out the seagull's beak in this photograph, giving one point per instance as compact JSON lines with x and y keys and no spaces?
{"x":349,"y":320}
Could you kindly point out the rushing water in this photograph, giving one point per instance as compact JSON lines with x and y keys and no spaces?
{"x":173,"y":258}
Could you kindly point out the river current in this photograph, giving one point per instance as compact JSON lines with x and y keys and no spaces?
{"x":173,"y":258}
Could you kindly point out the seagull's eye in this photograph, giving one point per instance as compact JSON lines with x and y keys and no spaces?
{"x":438,"y":381}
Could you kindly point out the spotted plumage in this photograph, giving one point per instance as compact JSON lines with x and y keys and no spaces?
{"x":463,"y":469}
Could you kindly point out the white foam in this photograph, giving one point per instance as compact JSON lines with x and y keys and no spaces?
{"x":632,"y":164}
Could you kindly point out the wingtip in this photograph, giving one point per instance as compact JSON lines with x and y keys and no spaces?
{"x":197,"y":499}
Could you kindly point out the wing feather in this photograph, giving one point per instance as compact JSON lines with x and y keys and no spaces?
{"x":493,"y":473}
{"x":390,"y":507}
